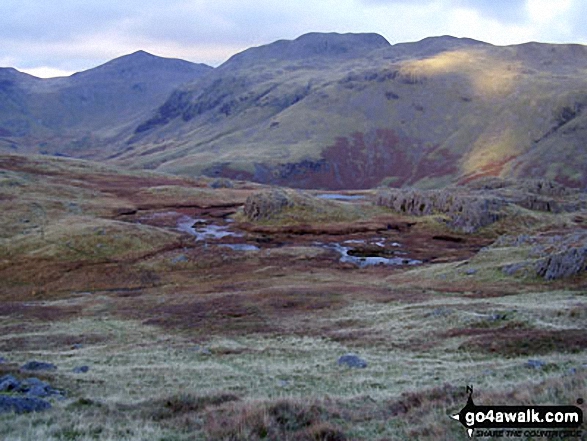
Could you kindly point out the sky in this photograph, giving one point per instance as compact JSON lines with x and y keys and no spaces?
{"x":60,"y":37}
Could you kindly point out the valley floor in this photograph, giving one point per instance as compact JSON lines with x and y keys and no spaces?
{"x":197,"y":323}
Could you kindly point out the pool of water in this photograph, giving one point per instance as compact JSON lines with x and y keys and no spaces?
{"x":365,"y":261}
{"x":240,"y":246}
{"x":203,"y":230}
{"x":340,"y":197}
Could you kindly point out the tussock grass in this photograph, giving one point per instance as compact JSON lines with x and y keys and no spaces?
{"x":223,"y":346}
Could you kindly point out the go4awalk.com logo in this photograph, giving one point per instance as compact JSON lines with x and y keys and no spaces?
{"x":561,"y":422}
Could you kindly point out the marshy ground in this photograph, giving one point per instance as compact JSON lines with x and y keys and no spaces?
{"x":232,"y":329}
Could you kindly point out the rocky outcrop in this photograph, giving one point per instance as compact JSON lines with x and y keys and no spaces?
{"x":551,"y":257}
{"x":533,"y":194}
{"x":31,"y":387}
{"x":467,"y":212}
{"x":565,"y":264}
{"x":267,"y":204}
{"x":482,"y":202}
{"x":24,"y":396}
{"x":542,"y":187}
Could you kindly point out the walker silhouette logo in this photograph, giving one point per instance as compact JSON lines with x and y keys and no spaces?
{"x":516,"y":421}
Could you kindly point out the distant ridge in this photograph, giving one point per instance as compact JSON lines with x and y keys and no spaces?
{"x":79,"y":114}
{"x":325,"y":110}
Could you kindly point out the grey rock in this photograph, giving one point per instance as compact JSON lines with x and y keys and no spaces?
{"x":562,"y":265}
{"x":9,"y":383}
{"x":221,"y":183}
{"x":38,"y":366}
{"x":202,"y":350}
{"x":77,"y":346}
{"x":74,"y":208}
{"x":33,"y":387}
{"x":267,"y":204}
{"x":352,"y":361}
{"x":22,"y":404}
{"x":514,"y":268}
{"x":497,"y":317}
{"x":471,"y":272}
{"x":440,"y":312}
{"x":39,"y":391}
{"x":467,"y":212}
{"x":535,"y":364}
{"x":33,"y":381}
{"x":81,"y":369}
{"x":182,"y":258}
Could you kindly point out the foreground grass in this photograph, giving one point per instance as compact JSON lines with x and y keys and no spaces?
{"x":145,"y":383}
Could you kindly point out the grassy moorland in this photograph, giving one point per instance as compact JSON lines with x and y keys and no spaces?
{"x":238,"y":337}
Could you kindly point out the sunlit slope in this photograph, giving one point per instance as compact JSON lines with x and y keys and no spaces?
{"x":425,"y":113}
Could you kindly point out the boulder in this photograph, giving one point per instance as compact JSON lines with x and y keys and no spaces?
{"x":182,"y":258}
{"x":81,"y":369}
{"x":22,"y":404}
{"x":8,"y":383}
{"x":267,"y":204}
{"x":33,"y":387}
{"x":352,"y":361}
{"x":38,"y":366}
{"x":515,"y":268}
{"x":535,"y":364}
{"x":221,"y":183}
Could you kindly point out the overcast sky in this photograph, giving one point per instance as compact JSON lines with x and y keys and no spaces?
{"x":49,"y":38}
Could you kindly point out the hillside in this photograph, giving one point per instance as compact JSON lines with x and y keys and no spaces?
{"x":425,"y":113}
{"x":331,"y":111}
{"x":80,"y":114}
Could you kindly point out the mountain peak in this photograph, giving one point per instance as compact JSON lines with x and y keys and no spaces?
{"x":135,"y":64}
{"x":139,"y":55}
{"x":314,"y":44}
{"x":335,"y":42}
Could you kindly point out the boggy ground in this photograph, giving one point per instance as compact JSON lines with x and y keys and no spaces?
{"x":191,"y":339}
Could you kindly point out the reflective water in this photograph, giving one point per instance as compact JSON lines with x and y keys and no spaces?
{"x":203,"y":230}
{"x":340,"y":197}
{"x":364,"y":261}
{"x":240,"y":247}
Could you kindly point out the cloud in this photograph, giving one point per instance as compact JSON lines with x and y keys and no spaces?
{"x":508,"y":11}
{"x":504,"y":11}
{"x":47,"y":72}
{"x":71,"y":35}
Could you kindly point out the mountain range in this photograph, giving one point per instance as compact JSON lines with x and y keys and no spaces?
{"x":331,"y":111}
